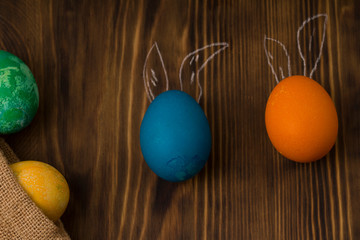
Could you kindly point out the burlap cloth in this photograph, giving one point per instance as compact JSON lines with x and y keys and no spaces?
{"x":19,"y":216}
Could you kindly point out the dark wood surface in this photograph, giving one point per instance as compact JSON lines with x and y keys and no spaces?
{"x":88,"y":57}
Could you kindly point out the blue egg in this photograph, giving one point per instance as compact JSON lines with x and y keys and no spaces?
{"x":175,"y":136}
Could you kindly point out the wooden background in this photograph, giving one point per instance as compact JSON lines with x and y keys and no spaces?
{"x":87,"y":58}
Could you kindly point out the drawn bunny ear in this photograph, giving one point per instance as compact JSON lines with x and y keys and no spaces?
{"x":311,"y":25}
{"x":196,"y":58}
{"x":153,"y":81}
{"x":280,"y":60}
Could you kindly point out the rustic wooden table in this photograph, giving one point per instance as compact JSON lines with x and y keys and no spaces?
{"x":88,"y":59}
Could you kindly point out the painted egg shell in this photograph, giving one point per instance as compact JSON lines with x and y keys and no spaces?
{"x":19,"y":96}
{"x":301,"y":119}
{"x":175,"y":136}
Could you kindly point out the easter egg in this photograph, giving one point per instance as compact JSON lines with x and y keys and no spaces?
{"x":45,"y":185}
{"x":301,"y":119}
{"x":175,"y":136}
{"x":19,"y":96}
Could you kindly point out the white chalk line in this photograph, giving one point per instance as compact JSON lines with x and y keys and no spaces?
{"x":153,"y":74}
{"x":321,"y":46}
{"x":148,"y":87}
{"x":154,"y":79}
{"x":269,"y":56}
{"x":197,"y":58}
{"x":282,"y":72}
{"x":192,"y":77}
{"x":311,"y":37}
{"x":149,"y":92}
{"x":192,"y":59}
{"x":192,"y":54}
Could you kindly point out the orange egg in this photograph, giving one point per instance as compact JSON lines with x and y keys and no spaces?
{"x":301,"y":119}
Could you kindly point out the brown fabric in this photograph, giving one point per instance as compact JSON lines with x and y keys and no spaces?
{"x":19,"y":216}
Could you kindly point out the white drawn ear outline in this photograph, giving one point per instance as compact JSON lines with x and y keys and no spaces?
{"x":192,"y":54}
{"x":269,"y":56}
{"x":153,"y":78}
{"x":322,"y":41}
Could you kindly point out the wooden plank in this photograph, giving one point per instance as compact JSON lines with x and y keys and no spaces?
{"x":88,"y":59}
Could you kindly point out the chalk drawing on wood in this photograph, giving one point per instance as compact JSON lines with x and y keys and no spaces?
{"x":193,"y":57}
{"x":307,"y":53}
{"x":270,"y":58}
{"x":315,"y":20}
{"x":151,"y":79}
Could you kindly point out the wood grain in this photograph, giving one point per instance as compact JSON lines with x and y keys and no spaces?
{"x":88,"y":58}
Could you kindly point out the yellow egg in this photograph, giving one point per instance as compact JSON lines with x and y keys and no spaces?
{"x":45,"y":185}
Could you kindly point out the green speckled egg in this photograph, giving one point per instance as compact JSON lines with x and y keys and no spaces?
{"x":19,"y":95}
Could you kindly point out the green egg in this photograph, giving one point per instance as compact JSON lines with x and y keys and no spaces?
{"x":19,"y":95}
